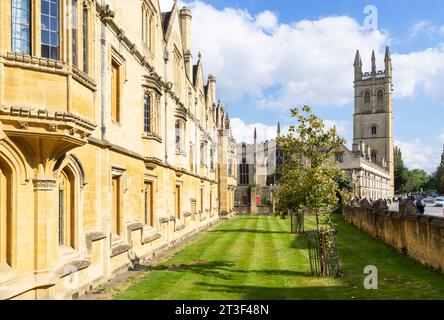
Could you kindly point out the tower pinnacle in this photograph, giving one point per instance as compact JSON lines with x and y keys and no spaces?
{"x":358,"y":66}
{"x":388,"y":63}
{"x":373,"y":63}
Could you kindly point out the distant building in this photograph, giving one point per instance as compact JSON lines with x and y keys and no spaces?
{"x":257,"y":164}
{"x":370,"y":163}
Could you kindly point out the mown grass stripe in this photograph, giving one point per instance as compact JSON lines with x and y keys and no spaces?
{"x":267,"y":262}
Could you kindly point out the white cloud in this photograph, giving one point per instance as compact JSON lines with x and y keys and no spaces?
{"x":420,"y":72}
{"x":166,"y":5}
{"x":279,"y":64}
{"x":267,"y":21}
{"x":418,"y":156}
{"x":426,"y":28}
{"x":306,"y":62}
{"x":243,"y":132}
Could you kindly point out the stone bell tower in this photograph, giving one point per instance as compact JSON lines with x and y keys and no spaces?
{"x":373,"y":117}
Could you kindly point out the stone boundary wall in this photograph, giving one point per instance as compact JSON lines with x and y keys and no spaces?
{"x":419,"y":237}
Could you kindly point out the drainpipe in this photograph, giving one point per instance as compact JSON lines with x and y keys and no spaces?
{"x":166,"y":58}
{"x":103,"y":76}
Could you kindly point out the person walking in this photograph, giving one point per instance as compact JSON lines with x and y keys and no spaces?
{"x":420,"y":205}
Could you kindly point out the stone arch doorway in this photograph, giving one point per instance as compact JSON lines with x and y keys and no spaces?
{"x":6,"y":214}
{"x":67,"y":208}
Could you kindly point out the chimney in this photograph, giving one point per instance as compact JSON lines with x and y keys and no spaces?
{"x":212,"y":87}
{"x":185,"y":28}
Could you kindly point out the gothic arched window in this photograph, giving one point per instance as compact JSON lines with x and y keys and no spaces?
{"x":380,"y":98}
{"x":367,"y":99}
{"x":67,"y":208}
{"x":374,"y":131}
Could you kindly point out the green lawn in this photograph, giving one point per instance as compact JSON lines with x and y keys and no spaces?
{"x":257,"y":258}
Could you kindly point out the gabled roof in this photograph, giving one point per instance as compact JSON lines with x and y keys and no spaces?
{"x":167,"y":20}
{"x":166,"y":16}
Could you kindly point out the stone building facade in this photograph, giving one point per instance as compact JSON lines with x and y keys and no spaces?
{"x":370,"y":163}
{"x":112,"y":144}
{"x":256,"y":174}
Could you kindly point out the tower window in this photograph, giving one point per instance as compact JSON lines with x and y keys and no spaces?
{"x":367,"y":99}
{"x":374,"y":131}
{"x":380,"y":98}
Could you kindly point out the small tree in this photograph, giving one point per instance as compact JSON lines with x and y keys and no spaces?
{"x":309,"y":174}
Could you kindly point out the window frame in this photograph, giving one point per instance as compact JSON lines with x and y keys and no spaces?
{"x":178,"y":135}
{"x":367,"y":104}
{"x":85,"y":37}
{"x":148,"y":110}
{"x":380,"y":94}
{"x":116,"y":80}
{"x":15,"y":22}
{"x":244,"y":173}
{"x":148,"y":198}
{"x":74,"y":32}
{"x":50,"y":30}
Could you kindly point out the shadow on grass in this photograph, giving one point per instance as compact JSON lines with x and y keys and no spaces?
{"x":299,"y":242}
{"x":270,"y":293}
{"x":220,"y":269}
{"x":248,"y":231}
{"x":204,"y":268}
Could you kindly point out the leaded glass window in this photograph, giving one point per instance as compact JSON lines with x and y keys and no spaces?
{"x":21,"y":26}
{"x":50,"y":29}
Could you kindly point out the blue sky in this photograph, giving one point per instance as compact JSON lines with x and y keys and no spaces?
{"x":270,"y":55}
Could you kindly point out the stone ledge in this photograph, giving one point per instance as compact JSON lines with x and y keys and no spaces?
{"x":164,"y":220}
{"x":74,"y":266}
{"x":134,"y":226}
{"x":152,"y":137}
{"x":93,"y":236}
{"x":180,"y":227}
{"x":119,"y":249}
{"x":151,"y":238}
